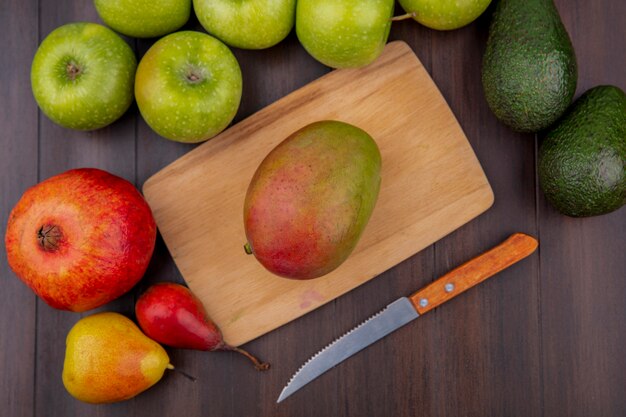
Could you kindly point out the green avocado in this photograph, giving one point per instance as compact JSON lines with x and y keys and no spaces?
{"x":529,"y":67}
{"x":582,"y":160}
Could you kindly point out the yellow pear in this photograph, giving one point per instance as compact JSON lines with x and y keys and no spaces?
{"x":108,"y":359}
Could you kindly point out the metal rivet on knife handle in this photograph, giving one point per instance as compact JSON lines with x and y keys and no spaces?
{"x":471,"y":273}
{"x":423,"y":302}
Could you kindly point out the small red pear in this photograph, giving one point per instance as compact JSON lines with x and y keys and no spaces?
{"x":170,"y":314}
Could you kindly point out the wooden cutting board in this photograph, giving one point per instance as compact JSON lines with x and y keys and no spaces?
{"x":432,"y":183}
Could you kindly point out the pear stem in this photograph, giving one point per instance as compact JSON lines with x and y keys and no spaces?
{"x":403,"y":17}
{"x":183,"y":373}
{"x":259,"y":366}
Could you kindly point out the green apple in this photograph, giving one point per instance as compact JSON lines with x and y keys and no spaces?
{"x":144,"y":18}
{"x":188,"y":86}
{"x":82,"y":76}
{"x":344,"y":33}
{"x":445,"y":14}
{"x":247,"y":24}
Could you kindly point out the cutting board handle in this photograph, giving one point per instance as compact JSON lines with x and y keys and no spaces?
{"x":517,"y":247}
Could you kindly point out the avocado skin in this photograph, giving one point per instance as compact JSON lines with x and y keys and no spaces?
{"x":529,"y":67}
{"x":582,"y":161}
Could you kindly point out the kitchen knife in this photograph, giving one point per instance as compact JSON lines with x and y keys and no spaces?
{"x":400,"y":312}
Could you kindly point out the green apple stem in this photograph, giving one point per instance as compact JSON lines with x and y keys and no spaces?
{"x":73,"y":70}
{"x":193,"y":78}
{"x":247,"y":248}
{"x":194,"y":75}
{"x":406,"y":16}
{"x":183,"y":373}
{"x":260,"y":366}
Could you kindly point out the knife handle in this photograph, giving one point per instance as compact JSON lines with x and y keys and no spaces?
{"x":514,"y":249}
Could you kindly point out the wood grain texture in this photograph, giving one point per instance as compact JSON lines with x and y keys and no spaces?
{"x":517,"y":247}
{"x":432,"y":183}
{"x":485,"y":337}
{"x":544,"y":339}
{"x":583,"y":261}
{"x":18,"y":161}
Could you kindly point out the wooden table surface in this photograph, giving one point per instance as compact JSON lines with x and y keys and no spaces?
{"x":545,"y":338}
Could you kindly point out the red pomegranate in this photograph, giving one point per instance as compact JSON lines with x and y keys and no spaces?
{"x":80,"y":239}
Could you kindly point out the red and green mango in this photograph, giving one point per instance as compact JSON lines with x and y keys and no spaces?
{"x":311,"y":198}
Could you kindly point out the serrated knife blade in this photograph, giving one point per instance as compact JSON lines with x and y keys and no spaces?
{"x":404,"y":310}
{"x":394,"y":316}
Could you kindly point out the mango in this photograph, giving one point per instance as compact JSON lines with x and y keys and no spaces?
{"x":311,"y":198}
